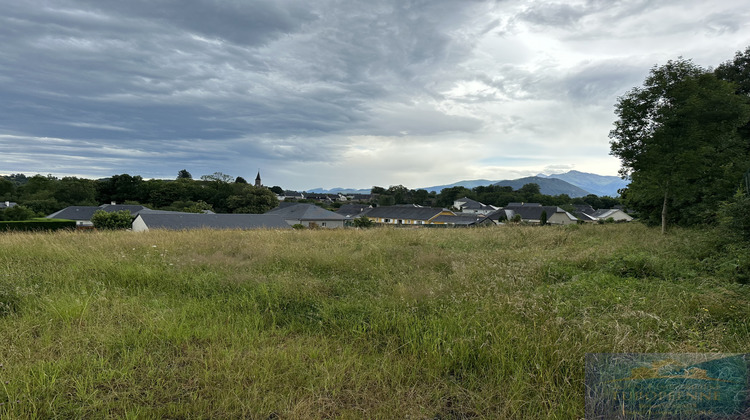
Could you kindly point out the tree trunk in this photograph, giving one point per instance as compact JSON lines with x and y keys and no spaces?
{"x":664,"y":212}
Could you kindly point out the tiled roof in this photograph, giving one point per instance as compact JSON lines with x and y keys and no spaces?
{"x":305,"y":211}
{"x":185,"y":221}
{"x":405,"y":212}
{"x":86,"y":212}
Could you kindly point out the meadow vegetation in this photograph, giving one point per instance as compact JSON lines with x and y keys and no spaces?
{"x":377,"y":323}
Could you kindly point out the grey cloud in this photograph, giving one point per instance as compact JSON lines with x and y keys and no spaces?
{"x":601,"y":82}
{"x":553,"y":14}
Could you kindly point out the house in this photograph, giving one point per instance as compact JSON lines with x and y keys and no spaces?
{"x":326,"y":198}
{"x":532,"y":213}
{"x":467,"y":205}
{"x":290,"y":195}
{"x":500,"y":216}
{"x":83,"y":214}
{"x":410,"y":215}
{"x":616,"y":214}
{"x":7,"y":205}
{"x":186,"y":221}
{"x":309,"y":214}
{"x":359,"y":197}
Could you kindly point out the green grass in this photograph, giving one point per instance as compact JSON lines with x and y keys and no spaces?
{"x":381,"y":323}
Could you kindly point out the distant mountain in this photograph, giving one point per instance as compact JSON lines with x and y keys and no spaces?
{"x":467,"y":184}
{"x":573,"y":183}
{"x":339,"y":190}
{"x":600,"y":185}
{"x":547,"y":186}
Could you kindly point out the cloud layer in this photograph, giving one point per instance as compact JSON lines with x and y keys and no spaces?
{"x":333,"y":93}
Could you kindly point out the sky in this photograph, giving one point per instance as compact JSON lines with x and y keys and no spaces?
{"x":335,"y":93}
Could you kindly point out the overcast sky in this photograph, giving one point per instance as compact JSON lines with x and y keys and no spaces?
{"x":335,"y":93}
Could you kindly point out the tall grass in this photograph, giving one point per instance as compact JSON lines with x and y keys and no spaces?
{"x":382,"y":323}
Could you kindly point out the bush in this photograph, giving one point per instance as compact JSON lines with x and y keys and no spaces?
{"x":298,"y":226}
{"x":17,"y":213}
{"x":37,"y":225}
{"x":363,"y":222}
{"x":112,"y":220}
{"x":733,"y":219}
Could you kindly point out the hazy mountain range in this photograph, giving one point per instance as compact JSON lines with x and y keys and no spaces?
{"x":572,"y":183}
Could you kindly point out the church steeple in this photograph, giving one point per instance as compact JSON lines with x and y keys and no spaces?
{"x":257,"y":180}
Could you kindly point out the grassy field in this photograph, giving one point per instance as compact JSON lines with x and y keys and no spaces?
{"x":380,"y":323}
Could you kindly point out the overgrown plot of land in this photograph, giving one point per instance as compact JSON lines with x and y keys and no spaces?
{"x":382,"y":323}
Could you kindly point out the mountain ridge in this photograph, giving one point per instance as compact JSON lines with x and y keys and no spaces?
{"x":579,"y":184}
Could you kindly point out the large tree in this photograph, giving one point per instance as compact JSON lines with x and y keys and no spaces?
{"x":677,"y":141}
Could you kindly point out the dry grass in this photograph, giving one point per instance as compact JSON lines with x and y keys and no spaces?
{"x":382,"y":323}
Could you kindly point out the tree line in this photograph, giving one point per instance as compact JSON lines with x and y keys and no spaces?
{"x":495,"y":195}
{"x":683,"y":139}
{"x":42,"y":195}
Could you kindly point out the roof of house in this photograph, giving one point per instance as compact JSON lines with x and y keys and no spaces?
{"x":405,"y":212}
{"x":86,"y":212}
{"x":185,"y":221}
{"x":350,"y":210}
{"x":605,"y":213}
{"x":458,"y":219}
{"x":523,"y":205}
{"x":468,"y":203}
{"x":584,"y":208}
{"x":7,"y":204}
{"x":584,"y":216}
{"x":535,"y":212}
{"x":500,"y":214}
{"x":305,"y":211}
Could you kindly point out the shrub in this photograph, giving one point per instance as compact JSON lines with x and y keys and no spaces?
{"x":112,"y":220}
{"x":37,"y":225}
{"x":298,"y":226}
{"x":363,"y":222}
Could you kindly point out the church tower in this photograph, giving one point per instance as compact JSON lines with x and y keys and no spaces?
{"x":257,"y":180}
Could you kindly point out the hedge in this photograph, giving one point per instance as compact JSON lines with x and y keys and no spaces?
{"x":37,"y":225}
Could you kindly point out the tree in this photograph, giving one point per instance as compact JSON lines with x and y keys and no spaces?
{"x":184,"y":174}
{"x":17,"y":213}
{"x":240,"y":180}
{"x":218,"y":177}
{"x":543,"y":218}
{"x":363,"y":222}
{"x":72,"y":191}
{"x":677,"y":141}
{"x":250,"y":199}
{"x":277,"y":190}
{"x":7,"y":189}
{"x":112,"y":220}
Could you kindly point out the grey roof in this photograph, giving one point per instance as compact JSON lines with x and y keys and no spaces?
{"x":523,"y":205}
{"x":305,"y":211}
{"x":498,"y":214}
{"x":584,"y":216}
{"x":7,"y":204}
{"x":86,"y":212}
{"x":473,"y":204}
{"x":534,"y":212}
{"x":458,"y":219}
{"x":404,"y":212}
{"x":351,"y":210}
{"x":185,"y":221}
{"x":605,"y":213}
{"x":585,"y":209}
